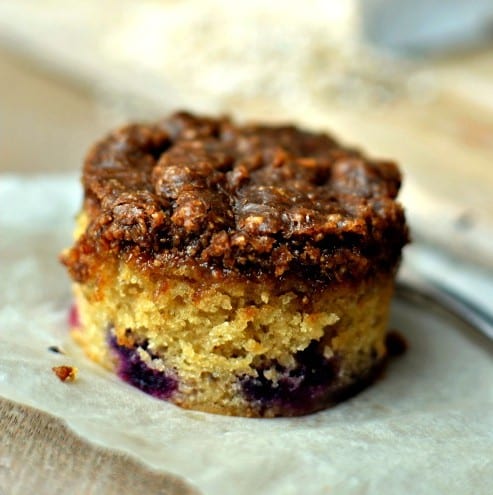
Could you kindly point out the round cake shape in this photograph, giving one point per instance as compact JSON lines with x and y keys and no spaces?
{"x":237,"y":269}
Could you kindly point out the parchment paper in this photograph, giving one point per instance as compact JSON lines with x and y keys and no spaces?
{"x":426,"y":427}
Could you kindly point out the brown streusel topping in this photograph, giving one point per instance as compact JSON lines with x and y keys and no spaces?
{"x":246,"y":199}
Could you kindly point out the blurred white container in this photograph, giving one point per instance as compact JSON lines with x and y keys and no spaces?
{"x":426,"y":25}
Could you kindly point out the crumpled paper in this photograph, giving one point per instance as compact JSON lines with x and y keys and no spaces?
{"x":426,"y":427}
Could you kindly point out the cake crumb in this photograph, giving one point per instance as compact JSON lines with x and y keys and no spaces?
{"x":328,"y":352}
{"x":55,"y":349}
{"x":396,"y":343}
{"x":65,"y":373}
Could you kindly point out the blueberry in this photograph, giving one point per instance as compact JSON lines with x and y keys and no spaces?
{"x":299,"y":388}
{"x":134,"y":371}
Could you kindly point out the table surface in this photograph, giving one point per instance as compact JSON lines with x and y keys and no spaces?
{"x":49,"y":125}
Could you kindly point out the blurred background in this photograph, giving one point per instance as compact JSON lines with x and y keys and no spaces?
{"x":410,"y":80}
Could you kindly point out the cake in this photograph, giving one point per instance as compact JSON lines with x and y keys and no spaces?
{"x":235,"y":269}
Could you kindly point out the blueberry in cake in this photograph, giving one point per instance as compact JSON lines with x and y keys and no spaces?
{"x":236,"y":269}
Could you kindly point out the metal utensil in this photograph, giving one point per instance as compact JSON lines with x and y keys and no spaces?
{"x":423,"y":26}
{"x":413,"y":285}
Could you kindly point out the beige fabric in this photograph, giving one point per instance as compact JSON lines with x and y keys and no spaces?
{"x":61,"y":462}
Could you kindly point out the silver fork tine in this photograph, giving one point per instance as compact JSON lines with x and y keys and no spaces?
{"x":413,"y":284}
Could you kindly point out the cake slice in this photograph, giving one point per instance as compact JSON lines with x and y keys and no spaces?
{"x":236,"y":269}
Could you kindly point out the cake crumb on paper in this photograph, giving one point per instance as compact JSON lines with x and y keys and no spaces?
{"x":55,"y":349}
{"x":65,"y":373}
{"x":396,"y":343}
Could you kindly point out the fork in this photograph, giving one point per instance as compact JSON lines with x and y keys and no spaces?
{"x":416,"y":286}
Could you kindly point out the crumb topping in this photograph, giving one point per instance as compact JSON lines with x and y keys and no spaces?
{"x":239,"y":198}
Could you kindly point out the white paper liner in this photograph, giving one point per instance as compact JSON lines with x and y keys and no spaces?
{"x":426,"y":427}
